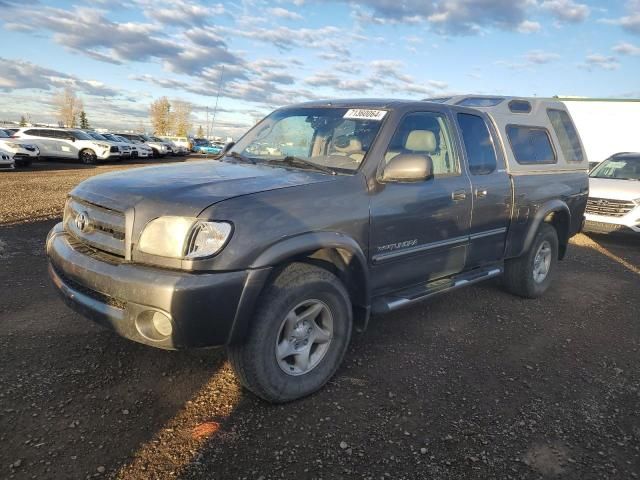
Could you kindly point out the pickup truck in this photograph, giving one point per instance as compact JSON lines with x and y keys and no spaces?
{"x":321,"y":215}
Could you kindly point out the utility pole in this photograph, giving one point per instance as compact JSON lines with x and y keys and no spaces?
{"x":215,"y":110}
{"x":207,"y":122}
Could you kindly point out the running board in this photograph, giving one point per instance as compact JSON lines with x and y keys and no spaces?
{"x":408,"y":296}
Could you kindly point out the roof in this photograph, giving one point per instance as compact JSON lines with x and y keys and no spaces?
{"x":356,"y":102}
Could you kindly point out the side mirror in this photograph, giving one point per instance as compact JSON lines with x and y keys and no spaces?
{"x":408,"y":167}
{"x":227,"y":146}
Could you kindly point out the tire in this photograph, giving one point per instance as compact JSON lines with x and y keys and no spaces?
{"x":522,"y":276}
{"x":297,"y":289}
{"x":23,"y":163}
{"x":88,"y":156}
{"x":156,"y":153}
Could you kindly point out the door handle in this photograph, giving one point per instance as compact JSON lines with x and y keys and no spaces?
{"x":481,"y":192}
{"x":458,"y":195}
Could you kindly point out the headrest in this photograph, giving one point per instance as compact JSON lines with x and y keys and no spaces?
{"x":421,"y":141}
{"x":353,"y":145}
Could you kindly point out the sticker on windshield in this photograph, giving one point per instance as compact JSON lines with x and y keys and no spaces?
{"x":363,"y":114}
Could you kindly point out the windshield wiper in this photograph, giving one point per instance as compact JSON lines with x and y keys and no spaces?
{"x":239,"y":156}
{"x":301,"y":162}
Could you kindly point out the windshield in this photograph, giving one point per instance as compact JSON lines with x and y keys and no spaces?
{"x":113,"y":138}
{"x":121,"y":139}
{"x":97,"y":136}
{"x":80,"y":135}
{"x":3,"y":134}
{"x":619,"y":168}
{"x":338,"y":138}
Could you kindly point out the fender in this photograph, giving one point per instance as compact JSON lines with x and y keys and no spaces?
{"x":290,"y":248}
{"x":555,"y":205}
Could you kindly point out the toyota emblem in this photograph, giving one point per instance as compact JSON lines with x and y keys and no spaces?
{"x":82,"y":221}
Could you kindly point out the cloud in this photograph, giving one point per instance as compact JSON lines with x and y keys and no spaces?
{"x":284,"y":13}
{"x":604,"y":62}
{"x":527,"y":26}
{"x":338,"y":83}
{"x":624,"y":48}
{"x":631,"y":21}
{"x":450,"y":17}
{"x":540,"y":57}
{"x":21,"y":75}
{"x":567,"y":10}
{"x":183,"y":13}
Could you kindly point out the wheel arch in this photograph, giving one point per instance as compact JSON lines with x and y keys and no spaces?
{"x":335,"y":252}
{"x":557,"y":214}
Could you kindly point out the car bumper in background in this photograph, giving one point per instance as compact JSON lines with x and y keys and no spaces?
{"x":630,"y":223}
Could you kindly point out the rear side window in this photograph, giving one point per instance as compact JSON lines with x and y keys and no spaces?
{"x":477,"y":142}
{"x":567,"y":135}
{"x":531,"y":145}
{"x":33,"y":133}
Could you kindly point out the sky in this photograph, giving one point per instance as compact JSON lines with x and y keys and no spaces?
{"x":251,"y":56}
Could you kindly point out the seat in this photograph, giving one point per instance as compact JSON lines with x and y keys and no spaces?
{"x":418,"y":141}
{"x":351,"y":147}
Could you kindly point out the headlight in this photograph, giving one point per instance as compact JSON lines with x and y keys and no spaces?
{"x":13,"y":145}
{"x":182,"y":237}
{"x":103,"y":145}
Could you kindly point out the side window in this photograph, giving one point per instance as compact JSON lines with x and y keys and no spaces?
{"x":567,"y":135}
{"x":425,"y":133}
{"x":33,"y":133}
{"x":531,"y":145}
{"x":477,"y":142}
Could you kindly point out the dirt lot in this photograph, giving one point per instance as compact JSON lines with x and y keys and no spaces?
{"x":475,"y":384}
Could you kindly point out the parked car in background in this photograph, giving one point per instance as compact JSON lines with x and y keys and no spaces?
{"x":207,"y":147}
{"x":23,"y":153}
{"x":123,"y":148}
{"x":138,"y":149}
{"x":614,"y":195}
{"x":322,"y":214}
{"x":158,"y":147}
{"x":6,"y":160}
{"x":182,"y":144}
{"x":68,"y":143}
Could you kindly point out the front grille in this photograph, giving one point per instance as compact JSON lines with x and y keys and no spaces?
{"x":96,"y":226}
{"x":608,"y":207}
{"x":114,"y":149}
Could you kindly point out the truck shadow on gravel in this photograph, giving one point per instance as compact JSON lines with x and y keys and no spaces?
{"x":474,"y":384}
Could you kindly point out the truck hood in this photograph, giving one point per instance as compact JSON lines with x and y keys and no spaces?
{"x":614,"y":189}
{"x":187,"y":188}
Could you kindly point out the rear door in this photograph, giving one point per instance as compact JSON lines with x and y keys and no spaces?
{"x":491,"y":190}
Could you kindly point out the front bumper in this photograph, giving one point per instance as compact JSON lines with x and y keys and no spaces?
{"x":630,"y":223}
{"x":205,"y":309}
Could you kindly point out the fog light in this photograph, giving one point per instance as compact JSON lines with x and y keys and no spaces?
{"x":162,"y":324}
{"x":154,"y":325}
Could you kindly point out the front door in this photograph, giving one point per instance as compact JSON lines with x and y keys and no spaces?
{"x":419,"y":231}
{"x":491,"y":191}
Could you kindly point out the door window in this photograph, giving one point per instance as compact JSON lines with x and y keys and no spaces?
{"x":425,"y":133}
{"x":477,"y":142}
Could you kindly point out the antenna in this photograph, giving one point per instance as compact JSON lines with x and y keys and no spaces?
{"x":215,"y":109}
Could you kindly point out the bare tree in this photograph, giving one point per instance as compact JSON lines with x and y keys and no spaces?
{"x":69,"y":106}
{"x":160,"y":113}
{"x":181,"y":117}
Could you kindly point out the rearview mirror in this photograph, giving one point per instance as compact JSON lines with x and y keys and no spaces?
{"x":408,"y":167}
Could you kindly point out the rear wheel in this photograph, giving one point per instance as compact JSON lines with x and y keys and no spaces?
{"x":530,"y":275}
{"x":88,"y":156}
{"x":300,"y":334}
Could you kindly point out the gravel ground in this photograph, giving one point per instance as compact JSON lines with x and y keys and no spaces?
{"x":473,"y":384}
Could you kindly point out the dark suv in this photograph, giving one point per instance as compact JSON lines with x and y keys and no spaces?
{"x":321,"y":215}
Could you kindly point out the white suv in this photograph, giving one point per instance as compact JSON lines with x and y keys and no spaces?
{"x":23,"y":153}
{"x":614,"y":195}
{"x":123,"y":148}
{"x":68,"y":143}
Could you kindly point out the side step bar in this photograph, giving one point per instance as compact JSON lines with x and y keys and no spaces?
{"x":409,"y":296}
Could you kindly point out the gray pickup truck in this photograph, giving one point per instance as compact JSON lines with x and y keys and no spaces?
{"x":321,"y":215}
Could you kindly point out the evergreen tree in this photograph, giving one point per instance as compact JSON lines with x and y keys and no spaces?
{"x":23,"y":121}
{"x":84,"y":122}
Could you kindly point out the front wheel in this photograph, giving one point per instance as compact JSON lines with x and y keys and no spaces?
{"x":299,"y":336}
{"x":529,"y":276}
{"x":88,"y":157}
